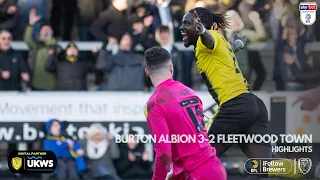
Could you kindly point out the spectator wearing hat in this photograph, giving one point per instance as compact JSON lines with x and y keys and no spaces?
{"x":68,"y":68}
{"x":70,"y":161}
{"x":41,"y":79}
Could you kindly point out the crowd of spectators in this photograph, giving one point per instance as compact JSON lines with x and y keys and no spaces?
{"x":123,"y":24}
{"x":97,"y":156}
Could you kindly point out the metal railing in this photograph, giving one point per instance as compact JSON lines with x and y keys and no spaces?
{"x":89,"y":45}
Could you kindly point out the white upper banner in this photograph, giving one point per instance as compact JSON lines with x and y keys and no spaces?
{"x":86,"y":106}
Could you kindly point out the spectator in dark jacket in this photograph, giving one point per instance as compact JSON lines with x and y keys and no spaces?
{"x":9,"y":18}
{"x":112,"y":23}
{"x":140,"y":22}
{"x":71,"y":72}
{"x":278,"y":17}
{"x":13,"y":68}
{"x":88,"y":11}
{"x":294,"y":60}
{"x":162,"y":13}
{"x":125,"y":70}
{"x":100,"y":150}
{"x":67,"y":10}
{"x":134,"y":160}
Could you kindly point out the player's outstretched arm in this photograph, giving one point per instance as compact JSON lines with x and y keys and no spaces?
{"x":238,"y":42}
{"x":206,"y":38}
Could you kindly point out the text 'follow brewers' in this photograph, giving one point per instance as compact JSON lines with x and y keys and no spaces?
{"x":32,"y":161}
{"x":268,"y":166}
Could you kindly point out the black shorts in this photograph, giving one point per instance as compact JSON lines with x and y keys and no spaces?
{"x":244,"y":114}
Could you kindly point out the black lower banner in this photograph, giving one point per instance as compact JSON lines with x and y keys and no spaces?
{"x":32,"y":161}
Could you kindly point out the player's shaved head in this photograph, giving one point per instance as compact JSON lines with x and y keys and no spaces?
{"x":157,"y":59}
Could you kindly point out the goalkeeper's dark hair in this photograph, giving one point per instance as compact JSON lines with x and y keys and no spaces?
{"x":156,"y":58}
{"x":208,"y":18}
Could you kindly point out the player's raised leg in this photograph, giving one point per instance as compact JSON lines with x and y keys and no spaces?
{"x":232,"y":117}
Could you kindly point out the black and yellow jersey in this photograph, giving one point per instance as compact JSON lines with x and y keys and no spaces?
{"x":220,"y":70}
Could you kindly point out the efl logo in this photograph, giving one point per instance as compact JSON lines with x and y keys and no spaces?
{"x":32,"y":161}
{"x":308,"y":12}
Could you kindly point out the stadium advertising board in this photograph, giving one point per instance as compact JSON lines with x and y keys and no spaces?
{"x":80,"y":107}
{"x":23,"y":114}
{"x":83,"y":107}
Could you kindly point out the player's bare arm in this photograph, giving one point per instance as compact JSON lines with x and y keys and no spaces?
{"x":206,"y":38}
